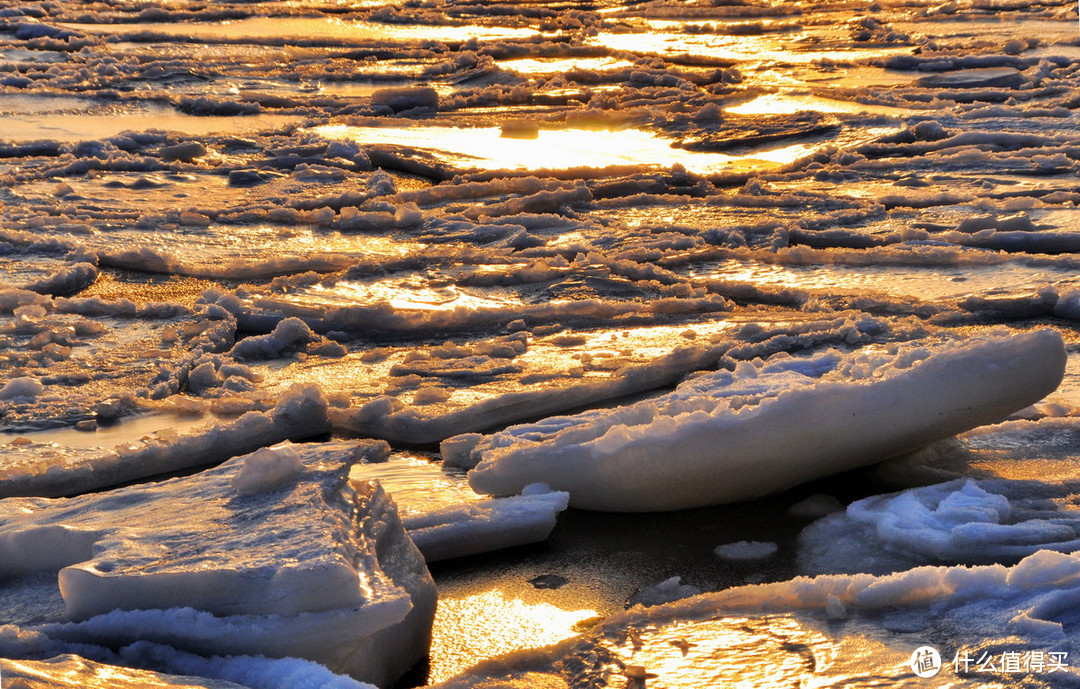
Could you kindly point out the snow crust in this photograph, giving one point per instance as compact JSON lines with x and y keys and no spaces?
{"x":962,"y":521}
{"x":730,"y":436}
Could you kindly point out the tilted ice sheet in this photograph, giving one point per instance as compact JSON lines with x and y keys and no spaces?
{"x":30,"y":467}
{"x":272,"y":553}
{"x":422,"y":395}
{"x":453,"y":298}
{"x":730,"y":436}
{"x":71,"y":671}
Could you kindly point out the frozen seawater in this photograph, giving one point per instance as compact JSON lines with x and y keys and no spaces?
{"x":920,"y":186}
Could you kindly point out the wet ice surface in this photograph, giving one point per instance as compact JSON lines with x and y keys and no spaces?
{"x":453,"y":217}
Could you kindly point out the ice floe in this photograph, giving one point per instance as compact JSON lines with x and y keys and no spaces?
{"x":301,"y":565}
{"x":730,"y":436}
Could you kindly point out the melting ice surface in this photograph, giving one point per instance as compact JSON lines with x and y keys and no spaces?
{"x":308,"y":28}
{"x":30,"y":118}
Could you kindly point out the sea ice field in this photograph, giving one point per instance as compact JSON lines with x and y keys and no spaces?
{"x":578,"y":344}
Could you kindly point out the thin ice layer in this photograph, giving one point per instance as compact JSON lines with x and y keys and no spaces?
{"x":301,"y":564}
{"x":49,"y":470}
{"x":487,"y":525}
{"x":734,"y":436}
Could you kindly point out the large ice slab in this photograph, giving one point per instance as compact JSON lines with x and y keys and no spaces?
{"x":32,"y":468}
{"x":732,"y":436}
{"x":273,"y":553}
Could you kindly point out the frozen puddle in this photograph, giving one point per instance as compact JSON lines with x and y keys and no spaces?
{"x":559,"y":149}
{"x":71,"y":119}
{"x":275,"y":29}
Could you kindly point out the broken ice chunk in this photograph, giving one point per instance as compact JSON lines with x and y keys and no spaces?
{"x":721,"y":438}
{"x":320,"y":570}
{"x":481,"y":527}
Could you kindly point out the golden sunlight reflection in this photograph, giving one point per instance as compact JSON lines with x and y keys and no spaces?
{"x":789,"y":103}
{"x":753,"y":652}
{"x":418,"y":484}
{"x":528,"y":65}
{"x":483,"y":147}
{"x":665,"y":37}
{"x":491,"y":623}
{"x":411,"y":294}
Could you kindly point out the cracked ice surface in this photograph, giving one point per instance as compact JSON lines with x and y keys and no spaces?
{"x":456,"y":216}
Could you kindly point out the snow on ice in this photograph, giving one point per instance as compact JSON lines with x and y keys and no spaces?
{"x":737,"y":435}
{"x":297,"y":564}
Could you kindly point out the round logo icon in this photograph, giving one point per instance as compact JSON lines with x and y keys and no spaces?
{"x":925,"y":661}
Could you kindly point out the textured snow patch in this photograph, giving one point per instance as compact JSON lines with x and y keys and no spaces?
{"x":267,"y":469}
{"x":960,"y":522}
{"x":21,"y":387}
